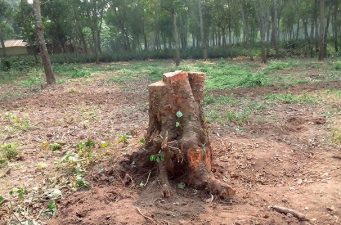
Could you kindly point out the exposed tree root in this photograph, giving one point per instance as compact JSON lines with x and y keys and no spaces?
{"x":298,"y":215}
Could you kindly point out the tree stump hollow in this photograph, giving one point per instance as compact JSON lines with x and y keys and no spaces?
{"x":177,"y":134}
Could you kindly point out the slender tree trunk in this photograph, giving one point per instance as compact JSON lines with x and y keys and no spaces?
{"x":326,"y":32}
{"x":274,"y":26}
{"x":82,"y":39}
{"x":202,"y":35}
{"x":322,"y":27}
{"x":335,"y":27}
{"x":176,"y":39}
{"x":50,"y":78}
{"x":2,"y":42}
{"x":306,"y":37}
{"x":298,"y":29}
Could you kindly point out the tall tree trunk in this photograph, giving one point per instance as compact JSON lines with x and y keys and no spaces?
{"x":202,"y":35}
{"x":326,"y":31}
{"x":306,"y":37}
{"x":95,"y":43}
{"x":335,"y":27}
{"x":274,"y":26}
{"x":298,"y":29}
{"x":322,"y":30}
{"x":2,"y":42}
{"x":311,"y":37}
{"x":176,"y":39}
{"x":50,"y":78}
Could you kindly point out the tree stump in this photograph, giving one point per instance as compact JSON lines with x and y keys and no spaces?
{"x":177,"y":136}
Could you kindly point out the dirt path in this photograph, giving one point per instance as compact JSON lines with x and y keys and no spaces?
{"x":288,"y":164}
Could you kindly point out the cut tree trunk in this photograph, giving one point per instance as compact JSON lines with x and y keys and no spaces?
{"x":177,"y":133}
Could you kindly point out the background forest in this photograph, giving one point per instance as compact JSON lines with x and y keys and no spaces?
{"x":111,"y":30}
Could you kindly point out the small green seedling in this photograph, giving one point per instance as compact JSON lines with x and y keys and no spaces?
{"x":9,"y":151}
{"x":104,"y":144}
{"x":52,"y":207}
{"x":124,"y":138}
{"x":18,"y":192}
{"x":2,"y":200}
{"x":142,"y":141}
{"x":179,"y":114}
{"x":41,"y":166}
{"x":157,"y":157}
{"x":81,"y":182}
{"x":55,"y":147}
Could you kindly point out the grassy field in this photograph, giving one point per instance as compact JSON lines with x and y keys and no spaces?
{"x":279,"y":119}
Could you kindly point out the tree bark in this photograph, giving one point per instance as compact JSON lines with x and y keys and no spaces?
{"x":177,"y":133}
{"x":176,"y":39}
{"x":2,"y":42}
{"x":274,"y":26}
{"x":202,"y":35}
{"x":50,"y":78}
{"x":335,"y":27}
{"x":322,"y":27}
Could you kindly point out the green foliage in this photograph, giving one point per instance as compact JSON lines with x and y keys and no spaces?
{"x":292,"y":99}
{"x":336,"y":136}
{"x":124,"y":138}
{"x":279,"y":65}
{"x":71,"y":70}
{"x":142,"y":141}
{"x":17,"y":122}
{"x":55,"y":146}
{"x":34,"y":79}
{"x":238,"y":118}
{"x":179,"y":114}
{"x":81,"y":183}
{"x":223,"y":75}
{"x":104,"y":144}
{"x":2,"y":200}
{"x":220,"y":100}
{"x":337,"y":65}
{"x":242,"y":115}
{"x":157,"y":157}
{"x":18,"y":192}
{"x":52,"y":207}
{"x":8,"y":152}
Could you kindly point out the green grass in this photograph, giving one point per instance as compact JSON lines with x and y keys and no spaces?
{"x":221,"y":74}
{"x":8,"y":152}
{"x":336,"y":65}
{"x":220,"y":100}
{"x":336,"y":136}
{"x":292,"y":99}
{"x":242,"y":111}
{"x":279,"y":65}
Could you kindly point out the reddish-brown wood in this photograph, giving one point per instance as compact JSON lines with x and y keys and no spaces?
{"x":177,"y":131}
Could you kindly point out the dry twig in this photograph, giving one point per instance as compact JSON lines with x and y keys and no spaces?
{"x":145,"y":216}
{"x":298,"y":215}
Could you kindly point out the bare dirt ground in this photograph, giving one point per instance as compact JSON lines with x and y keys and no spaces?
{"x":288,"y":161}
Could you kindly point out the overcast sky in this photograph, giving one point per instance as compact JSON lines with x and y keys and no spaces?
{"x":30,"y":1}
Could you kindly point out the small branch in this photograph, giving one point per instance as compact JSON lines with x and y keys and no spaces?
{"x":148,"y":178}
{"x":146,"y":217}
{"x":336,"y":156}
{"x":298,"y":215}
